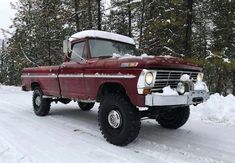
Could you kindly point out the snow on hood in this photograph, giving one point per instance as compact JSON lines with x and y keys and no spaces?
{"x":102,"y":34}
{"x":144,"y":55}
{"x":166,"y":56}
{"x":149,"y":61}
{"x":129,"y":56}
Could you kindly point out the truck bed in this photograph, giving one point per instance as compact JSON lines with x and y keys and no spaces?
{"x":47,"y":76}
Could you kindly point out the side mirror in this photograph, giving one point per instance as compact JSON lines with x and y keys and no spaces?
{"x":67,"y":46}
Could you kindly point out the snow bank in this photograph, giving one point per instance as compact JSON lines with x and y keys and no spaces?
{"x":217,"y":109}
{"x":9,"y":88}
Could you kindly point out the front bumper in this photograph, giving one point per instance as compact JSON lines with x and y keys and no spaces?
{"x":189,"y":98}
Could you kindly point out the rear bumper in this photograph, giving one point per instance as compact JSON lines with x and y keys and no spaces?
{"x":192,"y":97}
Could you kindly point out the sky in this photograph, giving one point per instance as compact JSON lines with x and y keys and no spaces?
{"x":6,"y":15}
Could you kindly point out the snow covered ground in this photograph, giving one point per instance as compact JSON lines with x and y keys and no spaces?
{"x":70,"y":135}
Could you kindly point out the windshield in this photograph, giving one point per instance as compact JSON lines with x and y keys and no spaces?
{"x":106,"y":48}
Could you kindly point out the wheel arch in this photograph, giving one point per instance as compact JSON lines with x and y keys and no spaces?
{"x":110,"y":87}
{"x":34,"y":85}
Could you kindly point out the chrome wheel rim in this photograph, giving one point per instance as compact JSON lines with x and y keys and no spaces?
{"x":114,"y":119}
{"x":38,"y":100}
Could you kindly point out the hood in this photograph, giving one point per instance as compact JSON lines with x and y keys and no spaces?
{"x":148,"y":62}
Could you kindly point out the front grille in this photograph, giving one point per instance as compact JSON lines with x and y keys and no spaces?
{"x":170,"y":78}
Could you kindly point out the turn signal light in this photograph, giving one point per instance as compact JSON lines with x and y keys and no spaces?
{"x":146,"y":91}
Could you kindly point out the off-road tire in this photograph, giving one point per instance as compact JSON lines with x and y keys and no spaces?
{"x":45,"y":103}
{"x":130,"y":117}
{"x":175,"y":118}
{"x":86,"y":106}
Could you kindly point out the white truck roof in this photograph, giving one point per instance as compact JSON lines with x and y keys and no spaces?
{"x":102,"y":34}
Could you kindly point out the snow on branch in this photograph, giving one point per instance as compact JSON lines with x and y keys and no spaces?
{"x":212,"y":55}
{"x":169,"y":49}
{"x":28,"y":57}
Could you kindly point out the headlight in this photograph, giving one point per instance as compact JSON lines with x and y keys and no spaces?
{"x":200,"y":76}
{"x":149,"y":78}
{"x":181,"y":88}
{"x":146,"y":81}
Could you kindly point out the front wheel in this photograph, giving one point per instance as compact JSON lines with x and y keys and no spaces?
{"x":174,"y":118}
{"x":41,"y":106}
{"x":119,"y":120}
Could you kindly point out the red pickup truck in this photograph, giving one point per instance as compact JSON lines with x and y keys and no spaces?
{"x":107,"y":68}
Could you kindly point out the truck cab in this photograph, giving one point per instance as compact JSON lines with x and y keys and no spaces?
{"x":107,"y":68}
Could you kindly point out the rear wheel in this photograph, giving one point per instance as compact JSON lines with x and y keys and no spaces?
{"x":86,"y":106}
{"x":41,"y":106}
{"x":119,"y":120}
{"x":174,"y":118}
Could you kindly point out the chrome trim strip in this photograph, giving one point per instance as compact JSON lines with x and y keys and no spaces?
{"x":119,"y":76}
{"x":128,"y":76}
{"x":71,"y":75}
{"x":38,"y":76}
{"x":166,"y":80}
{"x":179,"y":71}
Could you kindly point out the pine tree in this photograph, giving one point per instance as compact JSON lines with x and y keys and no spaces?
{"x":224,"y":28}
{"x":164,"y":27}
{"x":201,"y":28}
{"x":39,"y":34}
{"x":188,"y":34}
{"x":118,"y":17}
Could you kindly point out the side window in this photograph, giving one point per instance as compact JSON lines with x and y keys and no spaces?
{"x":77,"y":51}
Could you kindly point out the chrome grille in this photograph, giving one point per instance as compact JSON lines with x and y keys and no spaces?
{"x":170,"y":77}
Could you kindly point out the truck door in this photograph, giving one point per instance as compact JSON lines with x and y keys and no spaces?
{"x":71,"y":76}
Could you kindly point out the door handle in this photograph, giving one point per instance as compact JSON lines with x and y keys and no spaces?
{"x":52,"y":71}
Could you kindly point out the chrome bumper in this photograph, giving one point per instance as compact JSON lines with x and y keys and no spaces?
{"x":192,"y":97}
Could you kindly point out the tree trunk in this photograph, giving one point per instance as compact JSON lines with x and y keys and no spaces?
{"x":49,"y":53}
{"x":219,"y":84}
{"x":2,"y":53}
{"x":188,"y":36}
{"x":129,"y":16}
{"x":204,"y":43}
{"x":141,"y":24}
{"x":233,"y":82}
{"x":76,"y":7}
{"x":99,"y":14}
{"x":89,"y":14}
{"x":229,"y":26}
